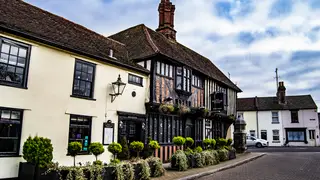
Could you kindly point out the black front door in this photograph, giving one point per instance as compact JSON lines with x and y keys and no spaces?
{"x":132,"y":130}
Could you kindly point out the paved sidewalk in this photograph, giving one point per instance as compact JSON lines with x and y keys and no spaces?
{"x":199,"y":172}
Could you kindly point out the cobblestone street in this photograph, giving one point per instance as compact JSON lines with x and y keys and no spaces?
{"x":275,"y":166}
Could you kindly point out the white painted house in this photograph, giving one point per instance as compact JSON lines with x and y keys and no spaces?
{"x":282,"y":120}
{"x":56,"y":81}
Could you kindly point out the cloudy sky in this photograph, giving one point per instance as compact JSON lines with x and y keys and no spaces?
{"x":247,"y":38}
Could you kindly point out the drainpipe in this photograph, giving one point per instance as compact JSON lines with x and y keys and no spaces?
{"x":257,"y":113}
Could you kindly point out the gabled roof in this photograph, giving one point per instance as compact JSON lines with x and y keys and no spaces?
{"x":31,"y":22}
{"x":143,"y":42}
{"x":271,"y":103}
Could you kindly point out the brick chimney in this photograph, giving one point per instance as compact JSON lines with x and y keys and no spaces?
{"x":166,"y":19}
{"x":281,"y":94}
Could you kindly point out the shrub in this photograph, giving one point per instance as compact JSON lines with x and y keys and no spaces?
{"x":153,"y":145}
{"x":216,"y":156}
{"x":117,"y":172}
{"x":179,"y":161}
{"x":207,"y":143}
{"x":125,"y":153}
{"x":213,"y":144}
{"x":209,"y":158}
{"x":223,"y":154}
{"x":128,"y":172}
{"x":141,"y":170}
{"x":97,"y":162}
{"x":38,"y":151}
{"x":178,"y":140}
{"x":137,"y":146}
{"x":96,"y":148}
{"x":229,"y":142}
{"x":188,"y":151}
{"x":166,"y":108}
{"x":114,"y":148}
{"x":115,"y":161}
{"x":189,"y":142}
{"x":156,"y":167}
{"x":198,"y":159}
{"x":74,"y":148}
{"x":198,"y":149}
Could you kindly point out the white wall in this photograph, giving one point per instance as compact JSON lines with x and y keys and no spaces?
{"x":304,"y":122}
{"x":265,"y":123}
{"x":251,"y":119}
{"x":47,"y":103}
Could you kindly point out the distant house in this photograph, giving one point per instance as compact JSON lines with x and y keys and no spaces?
{"x":281,"y":119}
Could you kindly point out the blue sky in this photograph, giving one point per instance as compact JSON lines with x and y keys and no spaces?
{"x":248,"y":38}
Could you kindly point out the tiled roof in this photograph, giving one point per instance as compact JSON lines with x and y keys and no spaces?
{"x":143,"y":42}
{"x":34,"y":23}
{"x":271,"y":103}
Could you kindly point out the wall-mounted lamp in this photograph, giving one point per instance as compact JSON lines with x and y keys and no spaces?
{"x":118,"y":88}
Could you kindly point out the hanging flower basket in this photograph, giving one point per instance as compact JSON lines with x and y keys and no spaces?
{"x":166,"y":108}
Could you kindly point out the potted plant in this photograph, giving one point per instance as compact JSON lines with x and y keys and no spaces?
{"x":137,"y":146}
{"x":166,"y":108}
{"x":232,"y":150}
{"x":206,"y":143}
{"x":74,"y":148}
{"x":96,"y":149}
{"x":189,"y":152}
{"x":156,"y":167}
{"x":213,"y":144}
{"x":37,"y":152}
{"x":114,"y":148}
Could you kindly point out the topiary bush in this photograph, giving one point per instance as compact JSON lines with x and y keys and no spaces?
{"x":198,"y":149}
{"x":189,"y":142}
{"x":96,"y":149}
{"x":114,"y":148}
{"x":179,"y":161}
{"x":156,"y":167}
{"x":141,"y":170}
{"x":74,"y":148}
{"x":223,"y":154}
{"x":178,"y":140}
{"x":153,"y":145}
{"x":125,"y":153}
{"x":229,"y":142}
{"x":38,"y":151}
{"x":137,"y":146}
{"x":222,"y":142}
{"x":213,"y":144}
{"x":206,"y":143}
{"x":128,"y":171}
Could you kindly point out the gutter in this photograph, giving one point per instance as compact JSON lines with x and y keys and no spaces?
{"x":50,"y":43}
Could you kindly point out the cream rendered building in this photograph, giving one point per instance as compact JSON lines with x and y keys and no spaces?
{"x":44,"y":94}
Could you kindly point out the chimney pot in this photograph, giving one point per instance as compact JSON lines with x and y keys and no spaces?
{"x":166,"y":19}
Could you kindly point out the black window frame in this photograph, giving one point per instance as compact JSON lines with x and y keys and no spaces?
{"x":78,"y":95}
{"x":164,"y":69}
{"x":19,"y":130}
{"x":130,"y":80}
{"x":186,"y":76}
{"x":293,"y":114}
{"x":83,"y":152}
{"x":264,"y":133}
{"x":25,"y":73}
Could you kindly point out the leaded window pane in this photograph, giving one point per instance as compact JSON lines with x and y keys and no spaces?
{"x":83,"y":79}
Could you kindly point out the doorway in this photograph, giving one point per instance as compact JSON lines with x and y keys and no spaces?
{"x":312,"y":138}
{"x":132,"y":130}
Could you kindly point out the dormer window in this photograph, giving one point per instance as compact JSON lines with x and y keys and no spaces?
{"x":183,"y":79}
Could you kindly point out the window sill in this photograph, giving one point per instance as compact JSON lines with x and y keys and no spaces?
{"x":13,"y":85}
{"x":9,"y":155}
{"x":275,"y":122}
{"x":82,"y":97}
{"x":275,"y":141}
{"x":136,"y":84}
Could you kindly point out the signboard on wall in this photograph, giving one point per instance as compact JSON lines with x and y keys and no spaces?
{"x":108,"y":133}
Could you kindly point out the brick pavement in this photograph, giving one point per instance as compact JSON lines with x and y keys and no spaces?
{"x":198,"y":171}
{"x":275,"y":166}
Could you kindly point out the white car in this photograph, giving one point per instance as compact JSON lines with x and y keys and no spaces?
{"x":252,"y":141}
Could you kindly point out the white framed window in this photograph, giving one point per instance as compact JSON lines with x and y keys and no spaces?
{"x":275,"y":117}
{"x":275,"y":135}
